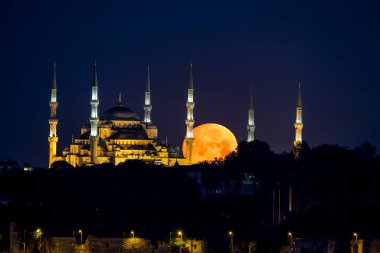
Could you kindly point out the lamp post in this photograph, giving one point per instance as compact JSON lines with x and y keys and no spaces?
{"x":24,"y":242}
{"x":180,"y":234}
{"x":231,"y":235}
{"x":180,"y":245}
{"x":38,"y":235}
{"x":133,"y":234}
{"x":81,"y":236}
{"x":291,"y":241}
{"x":356,"y":237}
{"x":356,"y":242}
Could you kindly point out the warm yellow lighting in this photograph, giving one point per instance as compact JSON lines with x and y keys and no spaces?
{"x":81,"y":236}
{"x":230,"y":233}
{"x":179,"y":232}
{"x":290,"y":234}
{"x":37,"y":234}
{"x":133,"y":233}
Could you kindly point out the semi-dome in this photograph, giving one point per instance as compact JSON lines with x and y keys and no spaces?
{"x":119,"y":112}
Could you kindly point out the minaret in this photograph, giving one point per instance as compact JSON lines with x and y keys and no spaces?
{"x":189,"y":139}
{"x":53,"y":121}
{"x":251,"y":120}
{"x":94,"y":120}
{"x":298,"y":125}
{"x":147,"y":106}
{"x":120,"y":101}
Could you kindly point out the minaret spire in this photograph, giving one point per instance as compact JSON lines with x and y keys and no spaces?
{"x":53,"y":121}
{"x":251,"y":120}
{"x":147,"y":105}
{"x":148,"y":80}
{"x":298,"y":125}
{"x":54,"y":83}
{"x":95,"y":76}
{"x":299,"y":102}
{"x":120,"y":101}
{"x":191,"y":83}
{"x":189,"y":139}
{"x":94,"y":120}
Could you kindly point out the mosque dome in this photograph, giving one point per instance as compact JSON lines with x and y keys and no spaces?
{"x":119,"y":112}
{"x":136,"y":134}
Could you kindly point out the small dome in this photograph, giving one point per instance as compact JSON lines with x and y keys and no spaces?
{"x":119,"y":112}
{"x":85,"y":136}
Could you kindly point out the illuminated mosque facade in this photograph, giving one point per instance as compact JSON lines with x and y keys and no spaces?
{"x":119,"y":135}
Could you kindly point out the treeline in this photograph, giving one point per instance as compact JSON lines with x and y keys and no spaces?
{"x":335,"y":190}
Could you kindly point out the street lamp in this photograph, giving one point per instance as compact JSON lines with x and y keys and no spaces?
{"x":180,"y":246}
{"x":355,"y":242}
{"x":81,"y":235}
{"x":180,"y":234}
{"x":291,"y":240}
{"x":133,"y":234}
{"x":23,"y":244}
{"x":231,"y":235}
{"x":38,"y":235}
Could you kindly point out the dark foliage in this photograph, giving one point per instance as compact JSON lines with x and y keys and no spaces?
{"x":335,"y":192}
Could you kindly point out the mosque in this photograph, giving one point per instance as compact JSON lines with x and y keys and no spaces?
{"x":119,"y":135}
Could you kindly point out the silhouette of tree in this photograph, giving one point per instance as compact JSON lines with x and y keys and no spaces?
{"x":61,"y":165}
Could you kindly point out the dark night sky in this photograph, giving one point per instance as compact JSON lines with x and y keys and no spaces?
{"x":332,"y":47}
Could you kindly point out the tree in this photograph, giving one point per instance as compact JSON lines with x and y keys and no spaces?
{"x":61,"y":165}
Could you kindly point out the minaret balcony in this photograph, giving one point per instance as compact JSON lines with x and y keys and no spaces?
{"x":190,"y":105}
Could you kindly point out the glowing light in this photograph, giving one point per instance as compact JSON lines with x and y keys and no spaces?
{"x":211,"y":141}
{"x":94,"y":94}
{"x":180,"y":234}
{"x":53,"y":95}
{"x":190,"y":95}
{"x":147,"y":98}
{"x":37,"y":234}
{"x":356,"y":237}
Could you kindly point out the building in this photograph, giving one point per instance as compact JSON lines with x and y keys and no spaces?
{"x":116,"y":135}
{"x":119,"y":135}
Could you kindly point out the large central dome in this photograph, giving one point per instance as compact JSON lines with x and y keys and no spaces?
{"x":119,"y":112}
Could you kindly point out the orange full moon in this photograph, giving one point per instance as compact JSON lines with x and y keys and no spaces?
{"x":211,"y":141}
